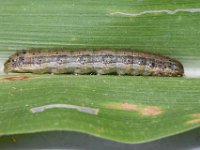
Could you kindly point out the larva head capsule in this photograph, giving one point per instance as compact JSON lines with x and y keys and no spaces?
{"x":10,"y":65}
{"x":13,"y":63}
{"x":7,"y":66}
{"x":173,"y":68}
{"x":177,"y":68}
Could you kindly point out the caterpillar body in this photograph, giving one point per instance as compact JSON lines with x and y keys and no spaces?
{"x":102,"y":61}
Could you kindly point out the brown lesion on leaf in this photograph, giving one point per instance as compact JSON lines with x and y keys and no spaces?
{"x":197,"y":115}
{"x":127,"y":106}
{"x":143,"y":110}
{"x":151,"y":111}
{"x":196,"y":119}
{"x":14,"y":78}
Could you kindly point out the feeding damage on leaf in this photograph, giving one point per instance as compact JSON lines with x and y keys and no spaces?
{"x":84,"y":109}
{"x":14,"y":78}
{"x":195,"y":120}
{"x":142,"y":110}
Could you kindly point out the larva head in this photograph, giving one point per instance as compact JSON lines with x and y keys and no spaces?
{"x":7,"y":66}
{"x":159,"y":65}
{"x":170,"y":67}
{"x":13,"y":63}
{"x":176,"y":68}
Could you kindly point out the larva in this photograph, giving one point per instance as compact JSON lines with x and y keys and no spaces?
{"x":101,"y":61}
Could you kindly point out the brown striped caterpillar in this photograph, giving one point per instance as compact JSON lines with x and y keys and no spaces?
{"x":104,"y":61}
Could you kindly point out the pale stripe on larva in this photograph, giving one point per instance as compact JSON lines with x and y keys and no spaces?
{"x":101,"y":61}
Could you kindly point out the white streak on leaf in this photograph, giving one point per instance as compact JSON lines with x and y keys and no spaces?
{"x":88,"y":110}
{"x":166,"y":11}
{"x":192,"y":72}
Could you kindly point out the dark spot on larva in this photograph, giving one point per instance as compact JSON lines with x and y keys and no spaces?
{"x":84,"y":59}
{"x":128,"y":60}
{"x":150,"y":62}
{"x":107,"y":59}
{"x":170,"y":65}
{"x":158,"y":64}
{"x":16,"y":78}
{"x":40,"y":61}
{"x":141,"y":61}
{"x":153,"y":64}
{"x":21,"y":59}
{"x":124,"y":59}
{"x":24,"y":52}
{"x":59,"y":59}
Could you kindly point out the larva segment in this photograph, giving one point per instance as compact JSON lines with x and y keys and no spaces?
{"x":122,"y":62}
{"x":82,"y":62}
{"x":104,"y":62}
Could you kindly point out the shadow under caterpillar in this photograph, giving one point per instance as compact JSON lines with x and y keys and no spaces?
{"x":100,"y":61}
